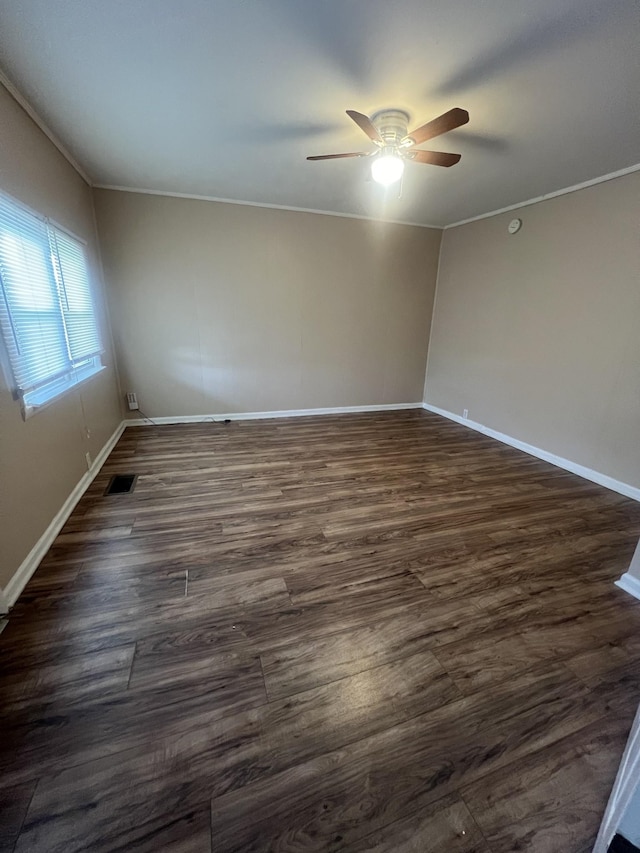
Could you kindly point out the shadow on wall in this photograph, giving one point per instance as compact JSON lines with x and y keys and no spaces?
{"x":216,"y":386}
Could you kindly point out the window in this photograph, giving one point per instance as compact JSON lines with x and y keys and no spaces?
{"x":46,"y":313}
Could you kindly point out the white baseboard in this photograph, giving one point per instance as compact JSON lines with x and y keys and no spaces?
{"x":629,"y":584}
{"x":254,"y":416}
{"x":587,"y":473}
{"x":10,"y":594}
{"x":33,"y":558}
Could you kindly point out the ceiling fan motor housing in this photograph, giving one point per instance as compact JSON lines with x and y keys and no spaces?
{"x":391,"y":125}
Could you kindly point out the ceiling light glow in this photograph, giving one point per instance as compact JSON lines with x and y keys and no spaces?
{"x":387,"y":169}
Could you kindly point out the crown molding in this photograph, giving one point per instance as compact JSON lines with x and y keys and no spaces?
{"x":583,"y":186}
{"x":33,"y":115}
{"x":194,"y":197}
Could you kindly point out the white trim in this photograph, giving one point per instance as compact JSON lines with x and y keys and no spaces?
{"x":256,"y":416}
{"x":559,"y":461}
{"x":30,"y":409}
{"x":565,"y":191}
{"x":33,"y":115}
{"x":624,"y":788}
{"x":33,"y":558}
{"x":629,"y":584}
{"x":4,"y":606}
{"x":194,"y":197}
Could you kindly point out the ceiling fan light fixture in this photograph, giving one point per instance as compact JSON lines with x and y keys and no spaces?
{"x":387,"y":129}
{"x":386,"y":169}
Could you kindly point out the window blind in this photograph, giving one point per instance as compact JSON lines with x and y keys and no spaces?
{"x":46,"y":312}
{"x":77,"y":309}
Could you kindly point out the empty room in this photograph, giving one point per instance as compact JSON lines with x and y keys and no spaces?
{"x":319,"y":426}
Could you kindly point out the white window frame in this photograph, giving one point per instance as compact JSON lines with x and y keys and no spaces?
{"x":80,"y":370}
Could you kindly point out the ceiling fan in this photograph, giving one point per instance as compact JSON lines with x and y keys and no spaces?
{"x":387,"y":129}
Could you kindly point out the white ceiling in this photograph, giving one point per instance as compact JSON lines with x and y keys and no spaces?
{"x":225,"y":98}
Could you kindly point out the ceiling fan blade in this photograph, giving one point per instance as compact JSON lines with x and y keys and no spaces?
{"x":443,"y":124}
{"x":364,"y":123}
{"x":434,"y":158}
{"x":338,"y":156}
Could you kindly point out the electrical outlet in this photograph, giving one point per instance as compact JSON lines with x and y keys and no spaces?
{"x":132,"y":401}
{"x":87,"y":456}
{"x":465,"y":413}
{"x":87,"y":432}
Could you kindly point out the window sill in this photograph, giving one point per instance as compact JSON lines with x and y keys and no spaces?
{"x":32,"y":408}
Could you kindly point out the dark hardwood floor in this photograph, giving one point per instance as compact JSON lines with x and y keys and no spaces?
{"x":372,"y":632}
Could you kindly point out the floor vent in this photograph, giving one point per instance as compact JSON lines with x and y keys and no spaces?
{"x":121,"y":484}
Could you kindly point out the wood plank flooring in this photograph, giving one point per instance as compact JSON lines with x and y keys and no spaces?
{"x":372,"y":632}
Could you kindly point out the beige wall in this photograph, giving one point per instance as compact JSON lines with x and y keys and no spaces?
{"x":537,"y":334}
{"x":42,"y":459}
{"x":230,"y":308}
